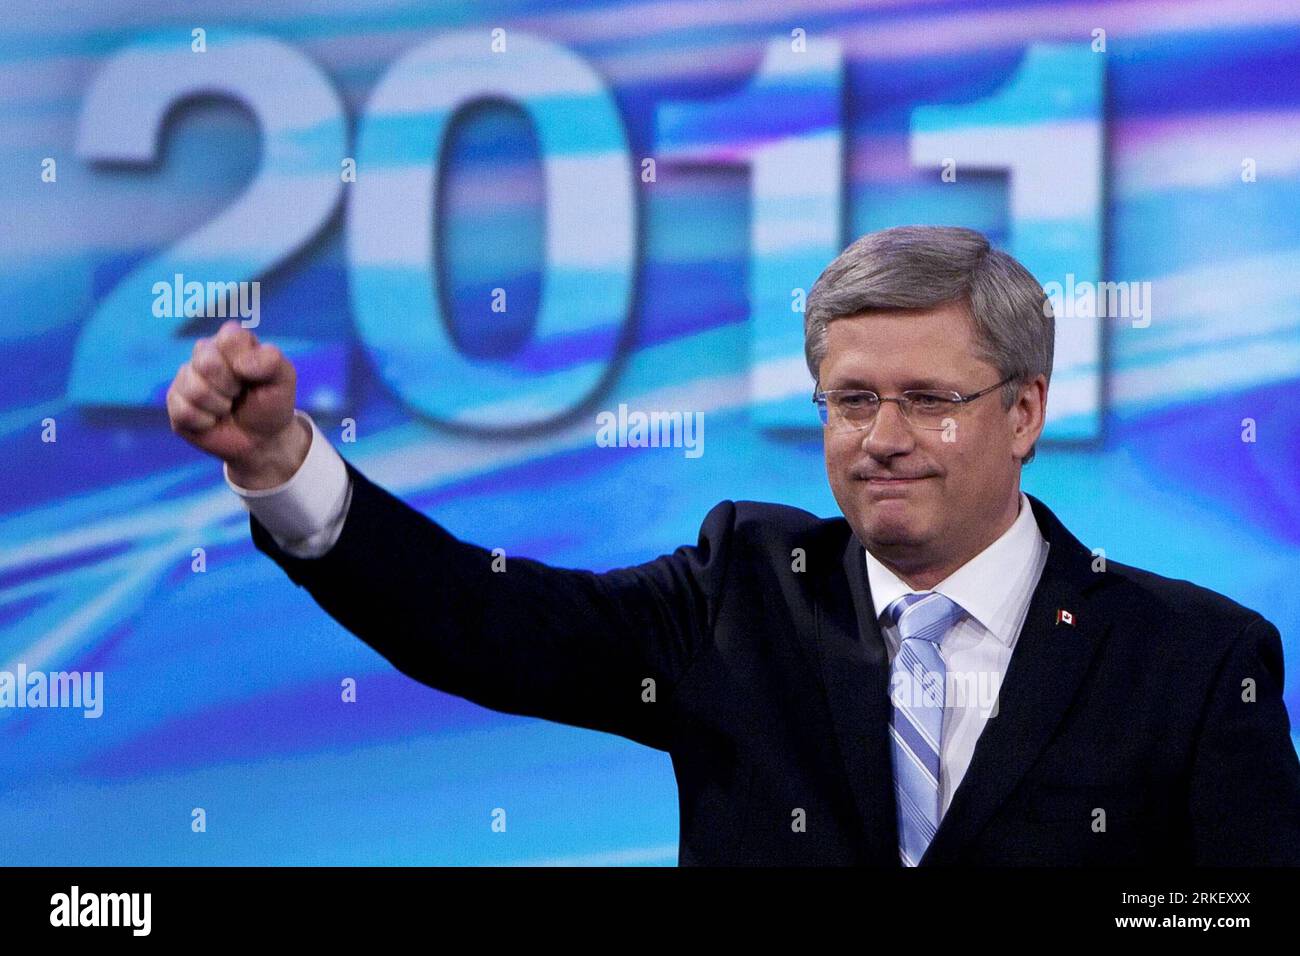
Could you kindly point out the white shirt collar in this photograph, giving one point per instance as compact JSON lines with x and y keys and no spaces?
{"x":988,"y":585}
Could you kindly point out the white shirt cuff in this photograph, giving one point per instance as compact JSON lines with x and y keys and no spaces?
{"x":304,"y":514}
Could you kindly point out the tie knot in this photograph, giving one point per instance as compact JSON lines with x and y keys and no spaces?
{"x":927,"y":615}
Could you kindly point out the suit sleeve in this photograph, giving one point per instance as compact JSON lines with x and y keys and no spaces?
{"x":1245,"y":784}
{"x":571,"y":646}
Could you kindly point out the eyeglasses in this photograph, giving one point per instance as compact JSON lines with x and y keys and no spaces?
{"x":851,"y":409}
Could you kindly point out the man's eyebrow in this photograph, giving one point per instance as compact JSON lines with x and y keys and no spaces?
{"x":853,"y":381}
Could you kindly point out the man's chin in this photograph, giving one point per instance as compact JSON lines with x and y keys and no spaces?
{"x":881,"y":530}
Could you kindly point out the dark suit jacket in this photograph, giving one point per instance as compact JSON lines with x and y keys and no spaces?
{"x":770,"y":689}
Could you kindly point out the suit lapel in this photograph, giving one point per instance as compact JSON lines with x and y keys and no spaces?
{"x":855,"y":670}
{"x":1046,"y":668}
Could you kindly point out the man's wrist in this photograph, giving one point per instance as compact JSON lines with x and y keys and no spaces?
{"x":278,"y":462}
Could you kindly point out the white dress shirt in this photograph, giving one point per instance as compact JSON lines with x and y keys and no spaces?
{"x":994,"y":588}
{"x":305,"y":516}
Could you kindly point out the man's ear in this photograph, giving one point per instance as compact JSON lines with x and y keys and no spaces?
{"x":1030,"y":410}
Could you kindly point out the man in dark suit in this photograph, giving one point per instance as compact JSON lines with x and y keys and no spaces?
{"x":943,"y":676}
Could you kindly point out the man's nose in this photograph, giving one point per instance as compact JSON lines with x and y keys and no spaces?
{"x":889,"y":434}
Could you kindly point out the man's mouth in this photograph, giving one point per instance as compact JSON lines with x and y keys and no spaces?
{"x":894,"y":484}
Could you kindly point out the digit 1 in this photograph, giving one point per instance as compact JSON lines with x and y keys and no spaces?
{"x":1045,"y":128}
{"x":787,"y":124}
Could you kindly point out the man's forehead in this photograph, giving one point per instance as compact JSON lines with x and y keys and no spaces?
{"x":899,"y":362}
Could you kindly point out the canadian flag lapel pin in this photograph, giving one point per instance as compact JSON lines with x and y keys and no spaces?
{"x":1064,"y":617}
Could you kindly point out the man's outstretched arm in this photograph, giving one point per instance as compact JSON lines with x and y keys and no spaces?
{"x":604,"y":651}
{"x":511,"y":633}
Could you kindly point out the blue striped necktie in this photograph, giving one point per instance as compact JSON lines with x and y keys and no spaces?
{"x":917,"y":679}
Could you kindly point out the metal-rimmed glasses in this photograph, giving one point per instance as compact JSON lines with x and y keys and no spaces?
{"x":852,"y":409}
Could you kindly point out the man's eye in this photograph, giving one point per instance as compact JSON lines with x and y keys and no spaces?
{"x":928,"y":400}
{"x":854,"y":401}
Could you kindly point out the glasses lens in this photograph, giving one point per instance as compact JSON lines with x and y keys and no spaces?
{"x":929,"y":409}
{"x":853,"y":409}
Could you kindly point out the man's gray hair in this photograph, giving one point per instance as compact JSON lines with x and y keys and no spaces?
{"x":922,"y":267}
